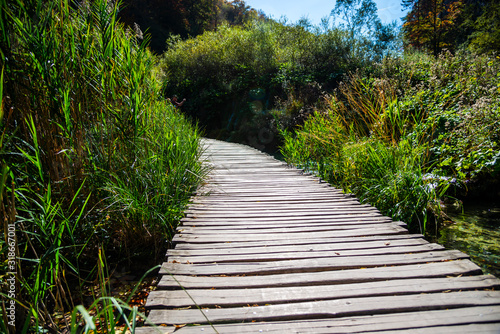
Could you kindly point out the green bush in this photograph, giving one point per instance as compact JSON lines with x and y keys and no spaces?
{"x":234,"y":76}
{"x":402,"y":137}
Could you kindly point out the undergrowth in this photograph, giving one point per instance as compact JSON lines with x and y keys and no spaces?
{"x":415,"y":132}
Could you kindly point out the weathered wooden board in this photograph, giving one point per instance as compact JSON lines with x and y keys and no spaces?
{"x":278,"y":210}
{"x":272,"y":256}
{"x":462,"y":320}
{"x":275,"y":295}
{"x":291,"y":219}
{"x":298,"y":229}
{"x":285,"y":214}
{"x":313,"y":247}
{"x":250,"y":224}
{"x":221,"y":198}
{"x":425,"y":270}
{"x":232,"y":237}
{"x":329,"y":308}
{"x":303,"y":241}
{"x":312,"y":264}
{"x":214,"y":206}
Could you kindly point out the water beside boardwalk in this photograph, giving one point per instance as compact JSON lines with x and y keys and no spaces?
{"x":476,"y":231}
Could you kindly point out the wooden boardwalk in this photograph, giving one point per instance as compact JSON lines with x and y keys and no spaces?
{"x":266,"y":249}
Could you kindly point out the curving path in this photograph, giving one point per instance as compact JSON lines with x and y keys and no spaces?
{"x":266,"y":249}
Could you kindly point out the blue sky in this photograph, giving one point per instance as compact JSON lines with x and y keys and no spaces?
{"x":388,"y":10}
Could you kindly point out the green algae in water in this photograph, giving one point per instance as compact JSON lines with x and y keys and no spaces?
{"x":476,"y":232}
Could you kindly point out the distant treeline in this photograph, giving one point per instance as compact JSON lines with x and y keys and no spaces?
{"x":186,"y":18}
{"x":431,"y":25}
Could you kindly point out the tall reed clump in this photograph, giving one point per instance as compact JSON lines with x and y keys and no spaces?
{"x":367,"y":145}
{"x":92,"y":155}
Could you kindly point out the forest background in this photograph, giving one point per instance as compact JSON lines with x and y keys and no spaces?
{"x":97,"y":166}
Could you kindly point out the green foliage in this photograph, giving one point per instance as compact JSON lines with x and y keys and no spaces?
{"x":402,"y":138}
{"x":92,"y":156}
{"x":234,"y":76}
{"x":360,"y":20}
{"x":486,"y":29}
{"x":461,"y":96}
{"x":106,"y":314}
{"x":437,"y":25}
{"x":363,"y":156}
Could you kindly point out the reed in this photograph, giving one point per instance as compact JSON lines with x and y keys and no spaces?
{"x":366,"y":144}
{"x":92,"y":155}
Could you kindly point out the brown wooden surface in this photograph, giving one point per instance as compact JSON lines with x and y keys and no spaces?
{"x":266,"y":248}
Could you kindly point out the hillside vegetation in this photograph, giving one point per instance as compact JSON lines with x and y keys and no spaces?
{"x":413,"y":133}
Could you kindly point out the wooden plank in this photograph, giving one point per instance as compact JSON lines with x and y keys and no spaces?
{"x":465,"y":329}
{"x":467,"y":316}
{"x":296,"y":206}
{"x":309,"y":192}
{"x":205,"y":231}
{"x":297,"y":242}
{"x":259,"y":225}
{"x":270,"y":200}
{"x":278,"y":208}
{"x":208,"y":230}
{"x":315,"y":264}
{"x":291,"y":220}
{"x":385,"y":230}
{"x":313,"y":247}
{"x":424,"y":270}
{"x":329,"y":308}
{"x":261,"y":296}
{"x":305,"y":254}
{"x":249,"y":214}
{"x":238,"y":223}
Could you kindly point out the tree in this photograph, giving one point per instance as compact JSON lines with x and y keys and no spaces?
{"x":431,"y":24}
{"x":358,"y":15}
{"x":359,"y":18}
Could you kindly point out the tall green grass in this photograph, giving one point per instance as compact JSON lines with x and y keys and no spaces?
{"x":366,"y":144}
{"x":408,"y":135}
{"x":93,"y":157}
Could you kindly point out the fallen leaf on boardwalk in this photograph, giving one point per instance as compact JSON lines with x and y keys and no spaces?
{"x":179,"y":326}
{"x":387,"y":243}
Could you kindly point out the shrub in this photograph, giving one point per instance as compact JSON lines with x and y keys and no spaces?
{"x":234,"y":76}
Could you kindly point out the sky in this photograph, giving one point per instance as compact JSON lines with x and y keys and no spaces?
{"x":388,"y":10}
